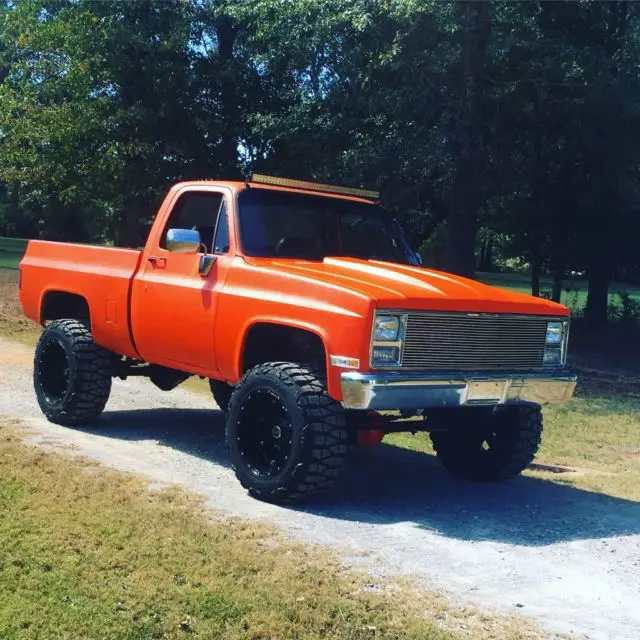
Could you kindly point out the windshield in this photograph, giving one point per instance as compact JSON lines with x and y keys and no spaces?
{"x":308,"y":227}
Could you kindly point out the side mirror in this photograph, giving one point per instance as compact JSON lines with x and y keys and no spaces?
{"x":183,"y":241}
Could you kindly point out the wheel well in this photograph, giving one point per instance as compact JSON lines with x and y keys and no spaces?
{"x":279,"y":343}
{"x":60,"y":304}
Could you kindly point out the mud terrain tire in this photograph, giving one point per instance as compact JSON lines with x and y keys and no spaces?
{"x":71,"y":374}
{"x":287,"y":437}
{"x":498,"y":449}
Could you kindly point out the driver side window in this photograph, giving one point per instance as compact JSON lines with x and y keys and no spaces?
{"x":202,"y":211}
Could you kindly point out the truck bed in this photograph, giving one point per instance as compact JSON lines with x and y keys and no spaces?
{"x":100,"y":275}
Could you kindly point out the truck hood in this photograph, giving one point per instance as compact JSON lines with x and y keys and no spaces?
{"x":399,"y":286}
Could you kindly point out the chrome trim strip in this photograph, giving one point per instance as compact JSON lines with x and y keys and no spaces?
{"x":423,"y":390}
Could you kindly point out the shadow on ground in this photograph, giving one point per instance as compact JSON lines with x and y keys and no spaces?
{"x":390,"y":485}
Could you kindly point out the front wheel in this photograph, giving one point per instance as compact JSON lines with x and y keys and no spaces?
{"x":287,"y":437}
{"x":71,"y":374}
{"x":489,"y":446}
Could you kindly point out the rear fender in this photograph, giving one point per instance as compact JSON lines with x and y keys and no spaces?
{"x":56,"y":304}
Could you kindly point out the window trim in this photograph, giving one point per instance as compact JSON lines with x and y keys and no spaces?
{"x":183,"y":194}
{"x":222,"y":209}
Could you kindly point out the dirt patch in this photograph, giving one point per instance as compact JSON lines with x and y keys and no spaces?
{"x":14,"y":353}
{"x":12,"y":321}
{"x":570,"y":471}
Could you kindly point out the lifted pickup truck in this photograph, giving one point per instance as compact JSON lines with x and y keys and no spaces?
{"x":314,"y":322}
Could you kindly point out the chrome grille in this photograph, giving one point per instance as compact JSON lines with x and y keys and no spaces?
{"x":456,"y":341}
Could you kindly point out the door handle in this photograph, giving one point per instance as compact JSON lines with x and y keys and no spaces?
{"x":157,"y":262}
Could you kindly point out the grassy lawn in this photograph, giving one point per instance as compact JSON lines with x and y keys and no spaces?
{"x":87,"y":552}
{"x":574,"y":293}
{"x":11,"y":251}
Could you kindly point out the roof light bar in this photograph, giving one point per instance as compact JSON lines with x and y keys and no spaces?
{"x":314,"y":186}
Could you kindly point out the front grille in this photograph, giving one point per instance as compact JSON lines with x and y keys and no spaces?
{"x":456,"y":341}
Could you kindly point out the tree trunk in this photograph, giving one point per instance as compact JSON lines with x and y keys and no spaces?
{"x":126,"y":233}
{"x":603,"y":255}
{"x":227,"y":152}
{"x":536,"y":268}
{"x":131,"y":223}
{"x":486,"y":255}
{"x":459,"y":256}
{"x":537,"y":227}
{"x":556,"y":292}
{"x":597,"y":298}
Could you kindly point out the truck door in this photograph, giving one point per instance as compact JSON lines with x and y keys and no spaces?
{"x":173,"y":306}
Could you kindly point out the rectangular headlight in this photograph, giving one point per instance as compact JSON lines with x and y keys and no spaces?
{"x":552,"y":356}
{"x":382,"y":355}
{"x":555,"y":350}
{"x":555,"y":332}
{"x":386,"y":328}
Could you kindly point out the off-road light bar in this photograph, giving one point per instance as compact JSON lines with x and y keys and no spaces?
{"x":314,"y":186}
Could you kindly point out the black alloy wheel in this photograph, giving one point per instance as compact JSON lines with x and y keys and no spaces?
{"x":54,"y":369}
{"x":264,"y":433}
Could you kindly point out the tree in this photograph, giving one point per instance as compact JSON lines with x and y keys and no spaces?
{"x":468,"y":141}
{"x":107,"y":103}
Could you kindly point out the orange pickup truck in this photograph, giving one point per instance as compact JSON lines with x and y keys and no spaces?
{"x":315,"y":324}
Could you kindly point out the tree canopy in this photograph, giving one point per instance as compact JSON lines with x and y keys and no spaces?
{"x":494,"y":130}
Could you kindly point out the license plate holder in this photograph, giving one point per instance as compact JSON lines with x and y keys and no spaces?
{"x":485,"y":391}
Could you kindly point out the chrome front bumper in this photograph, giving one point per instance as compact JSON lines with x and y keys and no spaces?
{"x":423,"y":390}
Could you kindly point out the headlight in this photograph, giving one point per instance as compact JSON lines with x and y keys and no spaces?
{"x":386,"y":340}
{"x":555,"y":349}
{"x":555,"y":331}
{"x":386,"y":328}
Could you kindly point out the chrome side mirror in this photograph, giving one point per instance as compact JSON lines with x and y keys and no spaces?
{"x":183,"y":240}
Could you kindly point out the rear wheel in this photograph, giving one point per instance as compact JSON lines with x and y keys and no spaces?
{"x":72,"y":374}
{"x":489,"y":446}
{"x":287,"y":437}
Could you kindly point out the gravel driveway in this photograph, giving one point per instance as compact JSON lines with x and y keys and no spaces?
{"x":567,"y":557}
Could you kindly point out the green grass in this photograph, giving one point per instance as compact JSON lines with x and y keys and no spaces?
{"x":574,"y":292}
{"x":9,"y":260}
{"x":87,"y":552}
{"x":11,"y":252}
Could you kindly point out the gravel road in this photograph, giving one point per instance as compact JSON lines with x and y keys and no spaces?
{"x":568,"y":558}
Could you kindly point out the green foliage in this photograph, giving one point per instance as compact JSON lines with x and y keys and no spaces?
{"x":519,"y":120}
{"x":104,"y":105}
